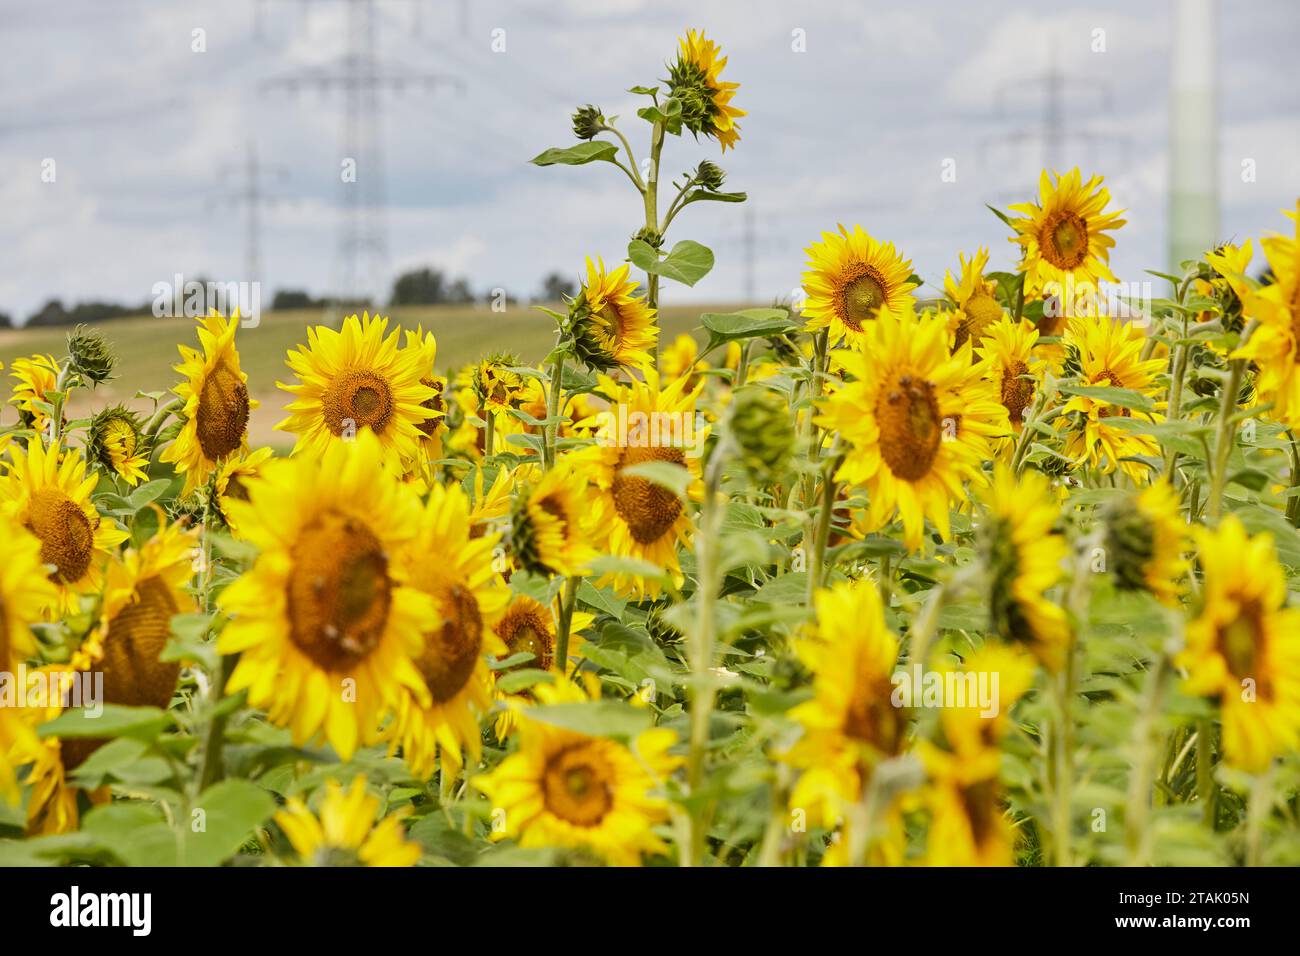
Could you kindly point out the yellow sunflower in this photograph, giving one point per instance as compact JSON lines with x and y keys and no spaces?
{"x":1242,"y":648}
{"x":913,"y":439}
{"x":561,"y":788}
{"x":548,"y":532}
{"x":114,"y":443}
{"x":696,"y":82}
{"x":1023,"y":555}
{"x":142,"y":592}
{"x":851,"y":723}
{"x":357,"y":379}
{"x":681,"y":359}
{"x":852,"y":279}
{"x":445,"y":561}
{"x":231,"y":484}
{"x":968,"y":823}
{"x":345,"y":833}
{"x":52,"y":800}
{"x":612,"y":326}
{"x":35,"y":377}
{"x":1230,"y":264}
{"x":1109,"y":354}
{"x":1063,"y":236}
{"x":1275,"y":344}
{"x":1146,"y":536}
{"x":49,"y":494}
{"x":25,"y":591}
{"x":1007,"y":349}
{"x":629,"y":515}
{"x":976,"y":300}
{"x":325,"y":623}
{"x":215,"y":392}
{"x":529,"y":628}
{"x":425,"y":347}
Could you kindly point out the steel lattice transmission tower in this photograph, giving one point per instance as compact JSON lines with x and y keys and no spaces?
{"x":363,"y":76}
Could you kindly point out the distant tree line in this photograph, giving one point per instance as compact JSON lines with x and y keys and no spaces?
{"x":423,"y":286}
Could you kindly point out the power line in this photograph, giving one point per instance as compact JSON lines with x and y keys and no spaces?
{"x":362,"y":258}
{"x":252,"y":195}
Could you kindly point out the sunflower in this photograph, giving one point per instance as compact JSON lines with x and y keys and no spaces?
{"x":215,"y":392}
{"x":630,"y":516}
{"x":852,"y":279}
{"x":142,"y":592}
{"x":455,"y":568}
{"x":52,"y":800}
{"x":611,"y":326}
{"x":25,"y":591}
{"x":425,"y":347}
{"x":496,"y":384}
{"x":1063,"y":235}
{"x":696,"y":82}
{"x":528,"y":627}
{"x":1023,"y":556}
{"x":912,"y":437}
{"x":1241,"y":647}
{"x":968,"y":824}
{"x":851,"y":723}
{"x":976,"y":300}
{"x":1145,"y":537}
{"x":1109,"y":353}
{"x":352,"y":380}
{"x":1275,"y":344}
{"x":681,"y":359}
{"x":1006,"y":348}
{"x":232,"y":484}
{"x":1229,"y":284}
{"x":35,"y":376}
{"x":547,"y":528}
{"x":325,"y":623}
{"x":114,"y":443}
{"x":345,"y":833}
{"x":49,"y":494}
{"x":561,"y":788}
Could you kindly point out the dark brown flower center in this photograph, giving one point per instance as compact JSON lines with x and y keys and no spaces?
{"x":526,"y":629}
{"x":1064,"y":240}
{"x":577,"y":786}
{"x":649,"y":510}
{"x":452,"y":651}
{"x":1017,"y":392}
{"x":339,"y":592}
{"x":981,"y":311}
{"x":872,"y":718}
{"x":911,"y":427}
{"x":861,"y":294}
{"x":430,"y":425}
{"x":222,"y":417}
{"x":67,"y":535}
{"x":356,"y":399}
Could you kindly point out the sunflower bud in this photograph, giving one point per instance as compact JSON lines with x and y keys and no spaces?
{"x":90,"y":354}
{"x":587,"y":122}
{"x":651,"y":237}
{"x":114,"y":443}
{"x":1129,"y":544}
{"x":763,"y":430}
{"x":710,"y":175}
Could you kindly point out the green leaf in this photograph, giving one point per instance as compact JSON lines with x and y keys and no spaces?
{"x":189,"y":641}
{"x":579,"y":155}
{"x":600,"y":599}
{"x":1123,"y":397}
{"x":1000,"y":214}
{"x":519,"y":680}
{"x":687,"y":263}
{"x":611,"y":564}
{"x":708,"y":195}
{"x":142,"y":723}
{"x":745,"y":324}
{"x":148,"y":492}
{"x":665,"y":474}
{"x":602,"y":718}
{"x":232,"y":810}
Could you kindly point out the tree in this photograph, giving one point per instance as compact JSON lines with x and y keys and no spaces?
{"x":429,"y":286}
{"x":555,"y":286}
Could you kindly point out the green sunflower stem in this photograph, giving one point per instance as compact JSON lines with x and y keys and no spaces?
{"x":553,"y":402}
{"x":701,"y":649}
{"x":489,"y":431}
{"x":821,"y":531}
{"x":1226,"y":434}
{"x":651,"y":196}
{"x":1205,"y":789}
{"x":565,"y":623}
{"x":1258,"y":806}
{"x":213,"y":768}
{"x":1141,"y":782}
{"x":1293,"y":499}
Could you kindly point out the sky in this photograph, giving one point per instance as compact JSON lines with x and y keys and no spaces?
{"x":855,"y":110}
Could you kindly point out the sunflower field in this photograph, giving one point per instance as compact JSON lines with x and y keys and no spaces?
{"x":999,"y":575}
